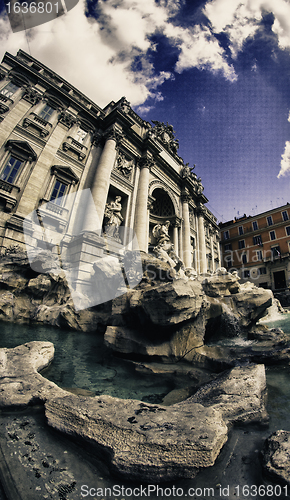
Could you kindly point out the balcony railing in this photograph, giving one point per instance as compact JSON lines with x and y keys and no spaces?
{"x":75,"y":146}
{"x":49,"y":206}
{"x":36,"y":121}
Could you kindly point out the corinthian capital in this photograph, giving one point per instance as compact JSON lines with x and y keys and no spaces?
{"x":114,"y":133}
{"x":146,"y":160}
{"x":185,"y":196}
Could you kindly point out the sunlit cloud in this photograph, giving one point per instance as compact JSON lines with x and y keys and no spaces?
{"x":285,"y":161}
{"x":110,"y":53}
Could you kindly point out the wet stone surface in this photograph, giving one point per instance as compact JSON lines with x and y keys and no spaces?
{"x":44,"y":465}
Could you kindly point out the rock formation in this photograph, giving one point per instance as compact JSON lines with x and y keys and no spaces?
{"x":140,"y":441}
{"x":276,"y":454}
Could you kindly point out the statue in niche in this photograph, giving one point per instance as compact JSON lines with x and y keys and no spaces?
{"x":124,"y":166}
{"x":164,"y":249}
{"x":113,"y":218}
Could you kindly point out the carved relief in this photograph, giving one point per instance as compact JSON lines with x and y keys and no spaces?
{"x":165,"y":134}
{"x":31,"y":95}
{"x":124,"y":166}
{"x":124,"y":105}
{"x":67,"y":119}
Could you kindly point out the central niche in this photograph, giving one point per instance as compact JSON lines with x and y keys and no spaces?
{"x":162,"y":206}
{"x":162,"y":209}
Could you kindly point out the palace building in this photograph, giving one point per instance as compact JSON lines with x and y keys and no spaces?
{"x":54,"y":141}
{"x":258,"y":247}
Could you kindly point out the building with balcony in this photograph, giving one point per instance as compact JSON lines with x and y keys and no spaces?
{"x":54,"y":141}
{"x":258,"y":247}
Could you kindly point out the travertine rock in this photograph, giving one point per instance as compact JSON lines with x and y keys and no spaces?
{"x":173,"y":345}
{"x":276,"y":456}
{"x":238,"y":394}
{"x":142,"y":441}
{"x":170,"y":303}
{"x":221,"y":284}
{"x":250,"y":304}
{"x":20,"y":382}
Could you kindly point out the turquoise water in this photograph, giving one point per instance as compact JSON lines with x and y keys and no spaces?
{"x":278,"y":383}
{"x":82,"y":361}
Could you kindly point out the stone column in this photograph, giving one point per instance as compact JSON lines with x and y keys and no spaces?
{"x":211,"y":234}
{"x":175,"y":238}
{"x":197,"y":263}
{"x":101,"y":181}
{"x":201,"y":240}
{"x":186,"y":243}
{"x":141,"y":210}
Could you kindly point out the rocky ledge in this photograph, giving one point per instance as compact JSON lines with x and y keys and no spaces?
{"x":276,"y":457}
{"x":139,"y":441}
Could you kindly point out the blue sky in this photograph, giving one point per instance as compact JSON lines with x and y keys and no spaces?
{"x":217,"y":70}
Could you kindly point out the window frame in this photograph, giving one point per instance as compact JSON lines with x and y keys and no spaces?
{"x":255,"y":223}
{"x":272,"y":233}
{"x":257,"y":240}
{"x":241,"y":230}
{"x":287,"y":216}
{"x":269,"y":220}
{"x":242,"y":244}
{"x":18,"y":171}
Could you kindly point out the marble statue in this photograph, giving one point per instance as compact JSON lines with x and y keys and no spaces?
{"x":113,"y":218}
{"x":164,"y":249}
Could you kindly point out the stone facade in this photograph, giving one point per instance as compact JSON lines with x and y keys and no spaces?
{"x":54,"y":141}
{"x":258,"y":248}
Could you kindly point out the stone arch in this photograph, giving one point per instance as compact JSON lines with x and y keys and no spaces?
{"x":160,"y":185}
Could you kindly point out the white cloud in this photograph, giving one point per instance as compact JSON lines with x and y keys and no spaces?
{"x":285,"y":161}
{"x":73,"y":47}
{"x":98,"y":55}
{"x":200,"y":49}
{"x":240,"y":19}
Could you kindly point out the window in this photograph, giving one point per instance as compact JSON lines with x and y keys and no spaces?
{"x":244,"y":258}
{"x":272,"y":235}
{"x":226,"y":235}
{"x":46,"y":112}
{"x":257,"y":240}
{"x":262,"y":270}
{"x":246,"y":273}
{"x":285,"y":215}
{"x":255,"y":225}
{"x":270,"y":220}
{"x":11,"y":169}
{"x":241,"y":230}
{"x":228,"y":247}
{"x":242,"y":244}
{"x":288,"y":230}
{"x":9,"y":90}
{"x":259,"y":255}
{"x":276,"y":252}
{"x":57,"y":192}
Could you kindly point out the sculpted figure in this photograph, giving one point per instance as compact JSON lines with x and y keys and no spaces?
{"x":164,"y":249}
{"x":113,"y":218}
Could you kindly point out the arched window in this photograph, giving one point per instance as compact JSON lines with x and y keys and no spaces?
{"x":162,"y":206}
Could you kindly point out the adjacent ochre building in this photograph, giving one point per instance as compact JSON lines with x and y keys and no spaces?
{"x":55,"y":141}
{"x":258,"y":247}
